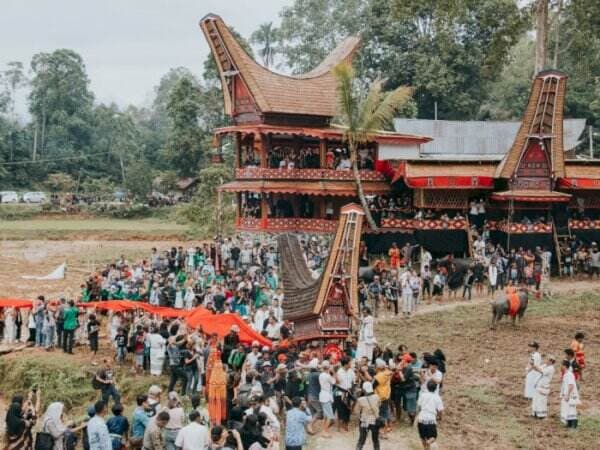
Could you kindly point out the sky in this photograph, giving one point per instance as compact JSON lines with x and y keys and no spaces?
{"x":127,"y":45}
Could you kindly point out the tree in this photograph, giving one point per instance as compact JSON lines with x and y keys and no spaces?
{"x":362,"y":116}
{"x":14,"y":79}
{"x":266,"y":36}
{"x":541,"y":33}
{"x":139,"y":178}
{"x":60,"y":182}
{"x":449,"y":51}
{"x":61,"y":104}
{"x":184,"y":147}
{"x":311,"y":29}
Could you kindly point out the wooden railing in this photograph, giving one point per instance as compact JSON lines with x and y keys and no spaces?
{"x":257,"y":173}
{"x":424,"y":224}
{"x":584,"y":224}
{"x":519,"y":228}
{"x":292,"y":224}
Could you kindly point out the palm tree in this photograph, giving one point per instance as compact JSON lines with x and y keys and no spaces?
{"x":362,"y":116}
{"x":266,"y":36}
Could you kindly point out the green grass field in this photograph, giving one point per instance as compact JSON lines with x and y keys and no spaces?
{"x":117,"y":229}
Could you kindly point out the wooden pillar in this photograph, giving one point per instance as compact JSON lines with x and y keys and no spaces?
{"x":261,"y":146}
{"x":264,"y":208}
{"x":323,"y":153}
{"x":321,"y":207}
{"x":237,"y":145}
{"x":238,"y":209}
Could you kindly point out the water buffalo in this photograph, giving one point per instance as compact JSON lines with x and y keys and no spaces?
{"x":501,"y":307}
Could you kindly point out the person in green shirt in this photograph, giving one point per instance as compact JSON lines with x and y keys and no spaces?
{"x":71,"y":324}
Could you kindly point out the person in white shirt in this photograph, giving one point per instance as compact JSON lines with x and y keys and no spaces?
{"x":260,"y":316}
{"x":433,"y":374}
{"x":273,"y":329}
{"x":326,"y":382}
{"x":193,"y":436}
{"x":345,"y":164}
{"x":252,"y":357}
{"x":345,"y":380}
{"x":277,"y":309}
{"x":430,"y":407}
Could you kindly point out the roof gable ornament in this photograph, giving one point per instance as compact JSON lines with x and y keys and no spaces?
{"x":311,"y":95}
{"x":541,"y":129}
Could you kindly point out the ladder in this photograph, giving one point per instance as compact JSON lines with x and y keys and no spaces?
{"x":470,"y":249}
{"x":557,"y":248}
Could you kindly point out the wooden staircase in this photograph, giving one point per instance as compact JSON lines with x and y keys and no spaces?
{"x":470,"y":249}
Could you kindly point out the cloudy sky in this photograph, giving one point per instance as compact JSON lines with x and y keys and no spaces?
{"x":127,"y":45}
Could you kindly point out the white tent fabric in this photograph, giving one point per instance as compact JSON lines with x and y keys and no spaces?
{"x":57,"y":274}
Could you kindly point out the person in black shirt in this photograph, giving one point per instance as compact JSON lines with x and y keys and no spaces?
{"x":93,"y":327}
{"x":176,"y":363}
{"x":121,"y":343}
{"x":230,"y":342}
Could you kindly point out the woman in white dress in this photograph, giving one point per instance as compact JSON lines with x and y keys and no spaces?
{"x":569,"y":396}
{"x":539,"y":404}
{"x":9,"y":325}
{"x":115,"y":324}
{"x":157,"y":345}
{"x":533,"y":371}
{"x":188,"y":299}
{"x":492,"y":276}
{"x":366,"y":336}
{"x":178,"y":298}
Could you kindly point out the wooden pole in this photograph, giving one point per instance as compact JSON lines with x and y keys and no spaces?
{"x":591,"y":137}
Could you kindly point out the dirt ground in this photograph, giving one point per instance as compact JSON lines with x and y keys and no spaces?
{"x":484,"y":384}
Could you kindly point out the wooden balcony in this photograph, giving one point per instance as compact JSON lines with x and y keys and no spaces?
{"x":584,"y":224}
{"x":424,"y":224}
{"x":257,"y":173}
{"x":303,"y":225}
{"x":289,"y":224}
{"x":519,"y":228}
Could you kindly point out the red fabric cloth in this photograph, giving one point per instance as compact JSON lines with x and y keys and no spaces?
{"x":15,"y":303}
{"x":513,"y":304}
{"x":384,"y":167}
{"x":221,"y":325}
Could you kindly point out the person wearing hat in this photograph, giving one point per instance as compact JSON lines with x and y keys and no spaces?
{"x":533,"y":370}
{"x":539,"y":403}
{"x":367,"y":407}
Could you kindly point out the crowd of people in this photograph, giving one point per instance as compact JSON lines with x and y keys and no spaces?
{"x":271,"y":395}
{"x":233,"y":275}
{"x":290,"y":157}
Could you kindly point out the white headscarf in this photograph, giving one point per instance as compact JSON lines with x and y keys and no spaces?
{"x":54,"y":413}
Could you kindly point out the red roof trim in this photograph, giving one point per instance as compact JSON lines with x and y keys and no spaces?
{"x":579,"y":183}
{"x":531,"y":198}
{"x":448,"y":182}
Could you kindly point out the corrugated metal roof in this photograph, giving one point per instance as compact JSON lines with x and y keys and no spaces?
{"x":487,"y":140}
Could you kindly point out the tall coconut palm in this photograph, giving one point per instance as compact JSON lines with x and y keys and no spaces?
{"x":266,"y":36}
{"x":362,"y":116}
